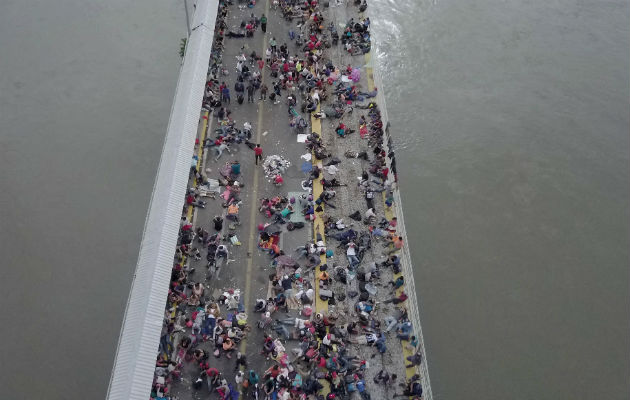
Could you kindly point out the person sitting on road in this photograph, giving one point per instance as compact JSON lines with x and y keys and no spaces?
{"x":235,"y":168}
{"x":191,"y":200}
{"x":232,"y":213}
{"x":222,"y":252}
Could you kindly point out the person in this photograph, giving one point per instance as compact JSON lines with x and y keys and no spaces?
{"x":261,"y":305}
{"x":263,"y":23}
{"x":369,"y":197}
{"x":235,"y":168}
{"x":382,"y":377}
{"x":220,"y":148}
{"x":404,"y":330}
{"x":222,"y":252}
{"x":191,"y":200}
{"x":413,"y":343}
{"x":394,"y":262}
{"x":250,"y":93}
{"x":258,"y":153}
{"x":253,"y":378}
{"x":399,"y":282}
{"x":247,"y":130}
{"x":413,"y":388}
{"x":278,"y":180}
{"x":225,"y":95}
{"x":397,"y":244}
{"x":221,"y":114}
{"x":239,"y":87}
{"x":218,"y":223}
{"x":232,"y":213}
{"x":397,"y":300}
{"x":287,"y":286}
{"x":414,"y":360}
{"x":263,"y":92}
{"x":238,"y":378}
{"x":241,"y":360}
{"x":341,"y":129}
{"x":288,"y":210}
{"x":351,"y":254}
{"x":228,"y":347}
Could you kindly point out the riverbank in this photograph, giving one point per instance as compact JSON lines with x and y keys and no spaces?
{"x":354,"y":302}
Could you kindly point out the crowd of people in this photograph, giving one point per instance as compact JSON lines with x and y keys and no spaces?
{"x":310,"y":351}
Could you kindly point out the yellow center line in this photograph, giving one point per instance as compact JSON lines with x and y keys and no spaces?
{"x":252,"y":217}
{"x":318,"y":227}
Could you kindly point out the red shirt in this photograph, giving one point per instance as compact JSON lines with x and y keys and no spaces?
{"x":258,"y":151}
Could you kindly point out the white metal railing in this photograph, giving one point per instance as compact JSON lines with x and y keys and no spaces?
{"x":134,"y":362}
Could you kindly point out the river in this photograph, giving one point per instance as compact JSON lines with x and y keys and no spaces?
{"x":511,"y":124}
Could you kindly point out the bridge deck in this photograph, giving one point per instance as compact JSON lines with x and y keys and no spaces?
{"x":249,"y":268}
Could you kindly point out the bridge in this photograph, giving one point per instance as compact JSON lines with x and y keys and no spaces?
{"x":135,"y":362}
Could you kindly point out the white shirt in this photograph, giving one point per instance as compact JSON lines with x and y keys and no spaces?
{"x":351,"y":251}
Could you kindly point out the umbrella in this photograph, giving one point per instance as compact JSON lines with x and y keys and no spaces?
{"x":273,"y":229}
{"x":307,"y":166}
